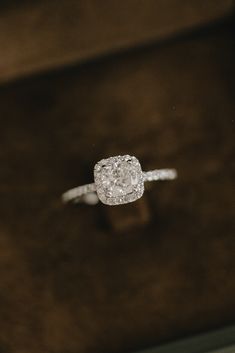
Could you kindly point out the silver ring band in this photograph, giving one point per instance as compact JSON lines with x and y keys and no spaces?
{"x":121,"y":167}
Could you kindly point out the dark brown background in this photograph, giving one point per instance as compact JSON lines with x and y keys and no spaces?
{"x":117,"y":279}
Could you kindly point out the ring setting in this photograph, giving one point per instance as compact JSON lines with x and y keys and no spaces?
{"x":117,"y":180}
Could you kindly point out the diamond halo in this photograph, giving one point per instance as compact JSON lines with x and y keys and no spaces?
{"x":119,"y":180}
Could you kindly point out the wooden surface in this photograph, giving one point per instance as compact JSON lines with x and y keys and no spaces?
{"x":69,"y":281}
{"x":40,"y":35}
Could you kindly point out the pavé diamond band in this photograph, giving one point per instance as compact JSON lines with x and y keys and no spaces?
{"x":118,"y":180}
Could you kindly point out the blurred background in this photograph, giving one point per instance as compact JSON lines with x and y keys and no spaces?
{"x":85,"y":80}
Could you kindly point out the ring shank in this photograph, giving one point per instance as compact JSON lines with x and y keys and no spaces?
{"x":87,"y":193}
{"x":160,"y":174}
{"x":79,"y":194}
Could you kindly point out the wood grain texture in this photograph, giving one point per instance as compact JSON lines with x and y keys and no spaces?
{"x":69,"y":283}
{"x":40,"y":35}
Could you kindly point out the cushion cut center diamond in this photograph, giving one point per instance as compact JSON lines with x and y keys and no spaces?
{"x":119,"y":179}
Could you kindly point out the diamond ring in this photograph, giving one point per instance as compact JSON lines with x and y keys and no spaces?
{"x":118,"y":180}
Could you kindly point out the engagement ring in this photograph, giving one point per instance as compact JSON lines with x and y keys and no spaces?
{"x":117,"y":180}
